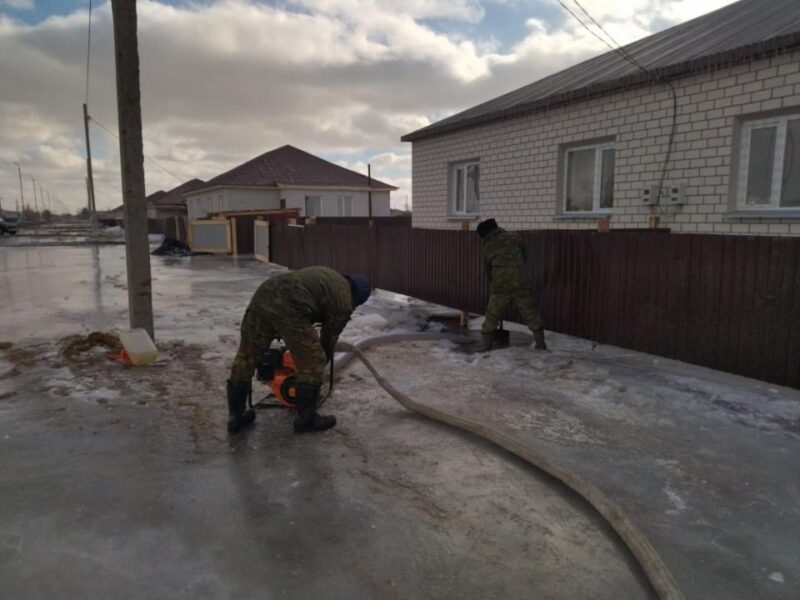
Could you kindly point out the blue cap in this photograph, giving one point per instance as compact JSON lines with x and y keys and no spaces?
{"x":359,"y":287}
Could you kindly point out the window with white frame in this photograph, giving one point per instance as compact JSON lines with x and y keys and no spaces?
{"x":313,"y":207}
{"x":464,"y":188}
{"x":769,"y":164}
{"x":589,"y":178}
{"x":344,"y":206}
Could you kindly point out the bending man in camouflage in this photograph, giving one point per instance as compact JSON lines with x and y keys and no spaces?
{"x":288,"y":306}
{"x":503,"y":254}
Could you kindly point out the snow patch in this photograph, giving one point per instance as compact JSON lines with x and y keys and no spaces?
{"x":677,"y":502}
{"x":364,"y":326}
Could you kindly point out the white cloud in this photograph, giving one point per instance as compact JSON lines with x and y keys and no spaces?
{"x":224,"y":81}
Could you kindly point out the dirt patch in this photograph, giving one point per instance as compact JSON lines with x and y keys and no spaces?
{"x":75,"y":345}
{"x":22,"y":357}
{"x":5,"y":345}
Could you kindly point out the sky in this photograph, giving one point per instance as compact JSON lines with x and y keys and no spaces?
{"x":223,"y":81}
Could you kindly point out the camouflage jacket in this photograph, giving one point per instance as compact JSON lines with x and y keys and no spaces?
{"x":504,"y":256}
{"x":311,"y":295}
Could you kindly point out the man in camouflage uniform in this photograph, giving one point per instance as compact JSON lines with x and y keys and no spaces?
{"x":287,"y":307}
{"x":504,"y":256}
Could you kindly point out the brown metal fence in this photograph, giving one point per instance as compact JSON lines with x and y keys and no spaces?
{"x":727,"y":302}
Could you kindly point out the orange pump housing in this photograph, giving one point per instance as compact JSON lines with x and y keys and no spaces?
{"x":282,"y":383}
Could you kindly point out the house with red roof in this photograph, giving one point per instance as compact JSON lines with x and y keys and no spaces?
{"x":288,"y":178}
{"x":166,"y":211}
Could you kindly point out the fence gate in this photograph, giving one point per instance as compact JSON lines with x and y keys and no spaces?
{"x":261,"y":240}
{"x":210,"y":236}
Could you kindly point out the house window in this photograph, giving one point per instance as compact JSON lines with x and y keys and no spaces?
{"x":589,"y":179}
{"x":769,"y":165}
{"x":344,"y":206}
{"x":313,"y":206}
{"x":464,"y":188}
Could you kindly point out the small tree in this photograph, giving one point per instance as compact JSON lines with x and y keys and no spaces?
{"x":84,"y":213}
{"x":47,"y":215}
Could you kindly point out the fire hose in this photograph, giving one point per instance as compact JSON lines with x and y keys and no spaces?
{"x":651,"y":563}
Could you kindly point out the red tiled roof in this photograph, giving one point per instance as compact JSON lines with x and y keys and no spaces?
{"x":175,"y":195}
{"x":155,"y":196}
{"x":288,"y":165}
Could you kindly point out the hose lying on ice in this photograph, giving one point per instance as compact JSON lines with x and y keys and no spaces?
{"x":653,"y":566}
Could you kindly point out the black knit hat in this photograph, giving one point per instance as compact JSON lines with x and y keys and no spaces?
{"x":486,"y":227}
{"x":359,"y":287}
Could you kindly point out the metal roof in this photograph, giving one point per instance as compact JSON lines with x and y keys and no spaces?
{"x":739,"y":32}
{"x":288,"y":165}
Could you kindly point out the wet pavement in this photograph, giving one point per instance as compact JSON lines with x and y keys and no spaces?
{"x":123,"y":483}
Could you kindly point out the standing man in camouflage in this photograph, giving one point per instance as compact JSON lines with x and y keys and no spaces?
{"x":504,"y":257}
{"x":288,"y":306}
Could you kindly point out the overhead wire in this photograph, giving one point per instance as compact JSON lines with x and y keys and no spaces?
{"x":147,"y":158}
{"x":619,"y":49}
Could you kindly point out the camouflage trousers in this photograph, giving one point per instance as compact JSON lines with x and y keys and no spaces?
{"x":268,"y":321}
{"x":526,"y":302}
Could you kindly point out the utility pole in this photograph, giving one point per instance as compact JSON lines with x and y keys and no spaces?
{"x":129,"y":110}
{"x":35,"y":201}
{"x":21,"y":195}
{"x":89,"y":176}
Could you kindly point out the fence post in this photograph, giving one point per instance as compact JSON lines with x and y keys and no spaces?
{"x":603,"y":225}
{"x":464,"y":315}
{"x":653,"y":221}
{"x":373,"y":250}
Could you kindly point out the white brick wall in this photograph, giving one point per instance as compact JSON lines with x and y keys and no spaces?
{"x":519,"y":158}
{"x":230,"y":199}
{"x":381,"y":204}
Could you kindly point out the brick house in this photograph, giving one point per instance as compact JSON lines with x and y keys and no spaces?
{"x":592,"y":141}
{"x":289,"y":178}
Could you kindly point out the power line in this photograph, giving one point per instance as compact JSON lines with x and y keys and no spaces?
{"x":617,"y":48}
{"x":147,"y":158}
{"x":88,"y":50}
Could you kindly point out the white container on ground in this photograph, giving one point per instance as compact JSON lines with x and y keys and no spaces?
{"x":139,"y":346}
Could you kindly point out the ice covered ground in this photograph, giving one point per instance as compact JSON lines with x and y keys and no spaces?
{"x":704,"y":462}
{"x":65,"y":234}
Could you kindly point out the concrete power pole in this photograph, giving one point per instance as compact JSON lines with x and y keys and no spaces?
{"x":89,"y":175}
{"x":35,"y":201}
{"x":126,"y":44}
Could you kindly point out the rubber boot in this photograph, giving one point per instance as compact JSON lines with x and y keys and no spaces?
{"x":487,"y":342}
{"x":538,"y":338}
{"x":502,"y":339}
{"x":307,"y":418}
{"x":240,"y":415}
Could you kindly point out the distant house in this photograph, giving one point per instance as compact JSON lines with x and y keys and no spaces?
{"x":590,"y":142}
{"x":289,"y":178}
{"x":114,"y":217}
{"x":166,"y":211}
